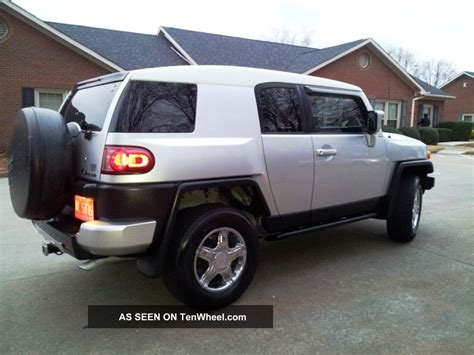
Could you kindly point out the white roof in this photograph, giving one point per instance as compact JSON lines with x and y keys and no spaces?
{"x":233,"y":76}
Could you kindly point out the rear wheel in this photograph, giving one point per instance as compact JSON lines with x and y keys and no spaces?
{"x":213,"y":257}
{"x":403,"y":224}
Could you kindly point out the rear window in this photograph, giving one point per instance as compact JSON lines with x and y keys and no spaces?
{"x":90,"y":105}
{"x":148,"y":106}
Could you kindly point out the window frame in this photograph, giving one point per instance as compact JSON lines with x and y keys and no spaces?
{"x":278,"y":85}
{"x":309,"y":114}
{"x":467,"y":114}
{"x":399,"y":111}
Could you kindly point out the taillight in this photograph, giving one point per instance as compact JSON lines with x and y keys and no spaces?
{"x":126,"y":160}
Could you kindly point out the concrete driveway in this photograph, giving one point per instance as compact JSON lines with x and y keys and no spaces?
{"x":342,"y":290}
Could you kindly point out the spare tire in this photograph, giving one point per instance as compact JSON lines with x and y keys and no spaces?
{"x":39,"y":163}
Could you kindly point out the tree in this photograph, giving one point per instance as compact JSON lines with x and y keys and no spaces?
{"x":434,"y":71}
{"x":284,"y":35}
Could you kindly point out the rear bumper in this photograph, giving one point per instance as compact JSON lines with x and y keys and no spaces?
{"x":98,"y":238}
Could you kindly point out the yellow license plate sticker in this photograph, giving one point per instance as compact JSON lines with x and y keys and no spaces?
{"x":83,"y":208}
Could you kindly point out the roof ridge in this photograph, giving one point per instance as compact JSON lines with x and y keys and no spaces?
{"x":244,"y":38}
{"x":346,"y":43}
{"x":97,"y":28}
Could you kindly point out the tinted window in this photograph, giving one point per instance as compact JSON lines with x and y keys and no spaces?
{"x":90,"y":105}
{"x":334,"y":113}
{"x":148,"y":106}
{"x":280,"y":109}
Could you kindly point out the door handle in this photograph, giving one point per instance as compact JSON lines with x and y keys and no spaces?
{"x":323,"y":152}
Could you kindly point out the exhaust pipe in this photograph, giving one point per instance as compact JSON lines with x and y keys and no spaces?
{"x":50,"y":248}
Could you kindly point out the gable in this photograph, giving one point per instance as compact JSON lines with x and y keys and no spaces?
{"x":377,"y":80}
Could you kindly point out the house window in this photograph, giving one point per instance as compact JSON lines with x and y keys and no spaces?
{"x":4,"y":29}
{"x":468,"y":117}
{"x":51,"y":99}
{"x":392,"y":110}
{"x":364,"y":60}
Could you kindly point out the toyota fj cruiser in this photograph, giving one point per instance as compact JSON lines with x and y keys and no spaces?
{"x":186,"y":167}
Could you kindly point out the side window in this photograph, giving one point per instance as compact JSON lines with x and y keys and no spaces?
{"x":148,"y":106}
{"x":336,"y":113}
{"x":280,"y":110}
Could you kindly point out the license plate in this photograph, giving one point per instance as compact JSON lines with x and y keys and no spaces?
{"x":83,"y":208}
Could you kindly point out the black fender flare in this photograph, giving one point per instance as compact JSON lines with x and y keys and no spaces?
{"x":421,"y":167}
{"x":152,"y":263}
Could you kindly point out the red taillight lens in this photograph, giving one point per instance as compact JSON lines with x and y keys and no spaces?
{"x":127,"y":160}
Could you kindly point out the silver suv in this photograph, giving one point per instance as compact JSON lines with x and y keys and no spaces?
{"x":187,"y":167}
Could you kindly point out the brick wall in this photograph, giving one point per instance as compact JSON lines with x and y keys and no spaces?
{"x":378,"y":80}
{"x":464,"y":101}
{"x":29,"y":58}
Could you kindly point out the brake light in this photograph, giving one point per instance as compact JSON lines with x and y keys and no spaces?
{"x":126,"y":160}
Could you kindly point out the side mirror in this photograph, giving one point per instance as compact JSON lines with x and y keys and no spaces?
{"x":374,"y":121}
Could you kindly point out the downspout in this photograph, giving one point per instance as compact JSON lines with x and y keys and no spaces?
{"x":412,"y":116}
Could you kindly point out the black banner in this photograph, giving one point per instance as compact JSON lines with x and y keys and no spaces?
{"x":179,"y":317}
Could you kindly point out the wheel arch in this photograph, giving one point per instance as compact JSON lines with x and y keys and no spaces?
{"x":420,"y":168}
{"x":152,"y":263}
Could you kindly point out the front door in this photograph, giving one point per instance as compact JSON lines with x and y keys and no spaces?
{"x":349,"y":176}
{"x":428,"y":110}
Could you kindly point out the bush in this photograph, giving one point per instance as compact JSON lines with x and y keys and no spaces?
{"x":448,"y":125}
{"x":389,"y":129}
{"x":444,"y":134}
{"x":461,"y":131}
{"x":472,"y":134}
{"x":429,"y":135}
{"x":410,"y":132}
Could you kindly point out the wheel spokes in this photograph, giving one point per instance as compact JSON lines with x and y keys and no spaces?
{"x":208,"y":276}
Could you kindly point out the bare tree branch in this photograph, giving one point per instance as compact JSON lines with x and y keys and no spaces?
{"x":284,"y":35}
{"x":434,"y":71}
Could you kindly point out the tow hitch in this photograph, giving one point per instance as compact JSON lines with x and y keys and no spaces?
{"x":50,"y":248}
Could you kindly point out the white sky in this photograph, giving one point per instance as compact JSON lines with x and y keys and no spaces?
{"x":432,"y":29}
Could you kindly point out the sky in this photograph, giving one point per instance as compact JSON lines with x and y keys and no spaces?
{"x":431,"y":29}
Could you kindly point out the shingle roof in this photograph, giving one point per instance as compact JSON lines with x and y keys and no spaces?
{"x":430,"y":89}
{"x":126,"y":49}
{"x":208,"y":48}
{"x":136,"y":50}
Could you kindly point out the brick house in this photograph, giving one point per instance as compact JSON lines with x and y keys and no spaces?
{"x":40,"y":61}
{"x":462,"y":107}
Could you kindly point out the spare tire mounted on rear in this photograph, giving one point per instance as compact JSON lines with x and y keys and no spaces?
{"x":39,"y":163}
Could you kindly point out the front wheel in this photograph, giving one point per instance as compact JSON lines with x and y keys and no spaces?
{"x":403,"y":224}
{"x":213,"y":257}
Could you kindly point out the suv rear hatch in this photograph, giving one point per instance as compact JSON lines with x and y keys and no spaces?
{"x":91,"y":104}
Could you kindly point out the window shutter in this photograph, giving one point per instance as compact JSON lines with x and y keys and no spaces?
{"x":403,"y":114}
{"x":27,"y":97}
{"x":435,"y":116}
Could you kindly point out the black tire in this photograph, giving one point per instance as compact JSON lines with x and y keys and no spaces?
{"x":39,"y":163}
{"x":400,"y":225}
{"x":192,"y":226}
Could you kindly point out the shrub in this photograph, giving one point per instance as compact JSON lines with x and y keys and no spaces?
{"x":389,"y":129}
{"x":472,"y":134}
{"x":410,"y":132}
{"x":461,"y":131}
{"x":429,"y":135}
{"x":448,"y":125}
{"x":444,"y":134}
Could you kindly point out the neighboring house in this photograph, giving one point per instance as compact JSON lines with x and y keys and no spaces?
{"x":40,"y":62}
{"x":461,"y":108}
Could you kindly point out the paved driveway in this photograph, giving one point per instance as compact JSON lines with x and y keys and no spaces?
{"x":343,"y":290}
